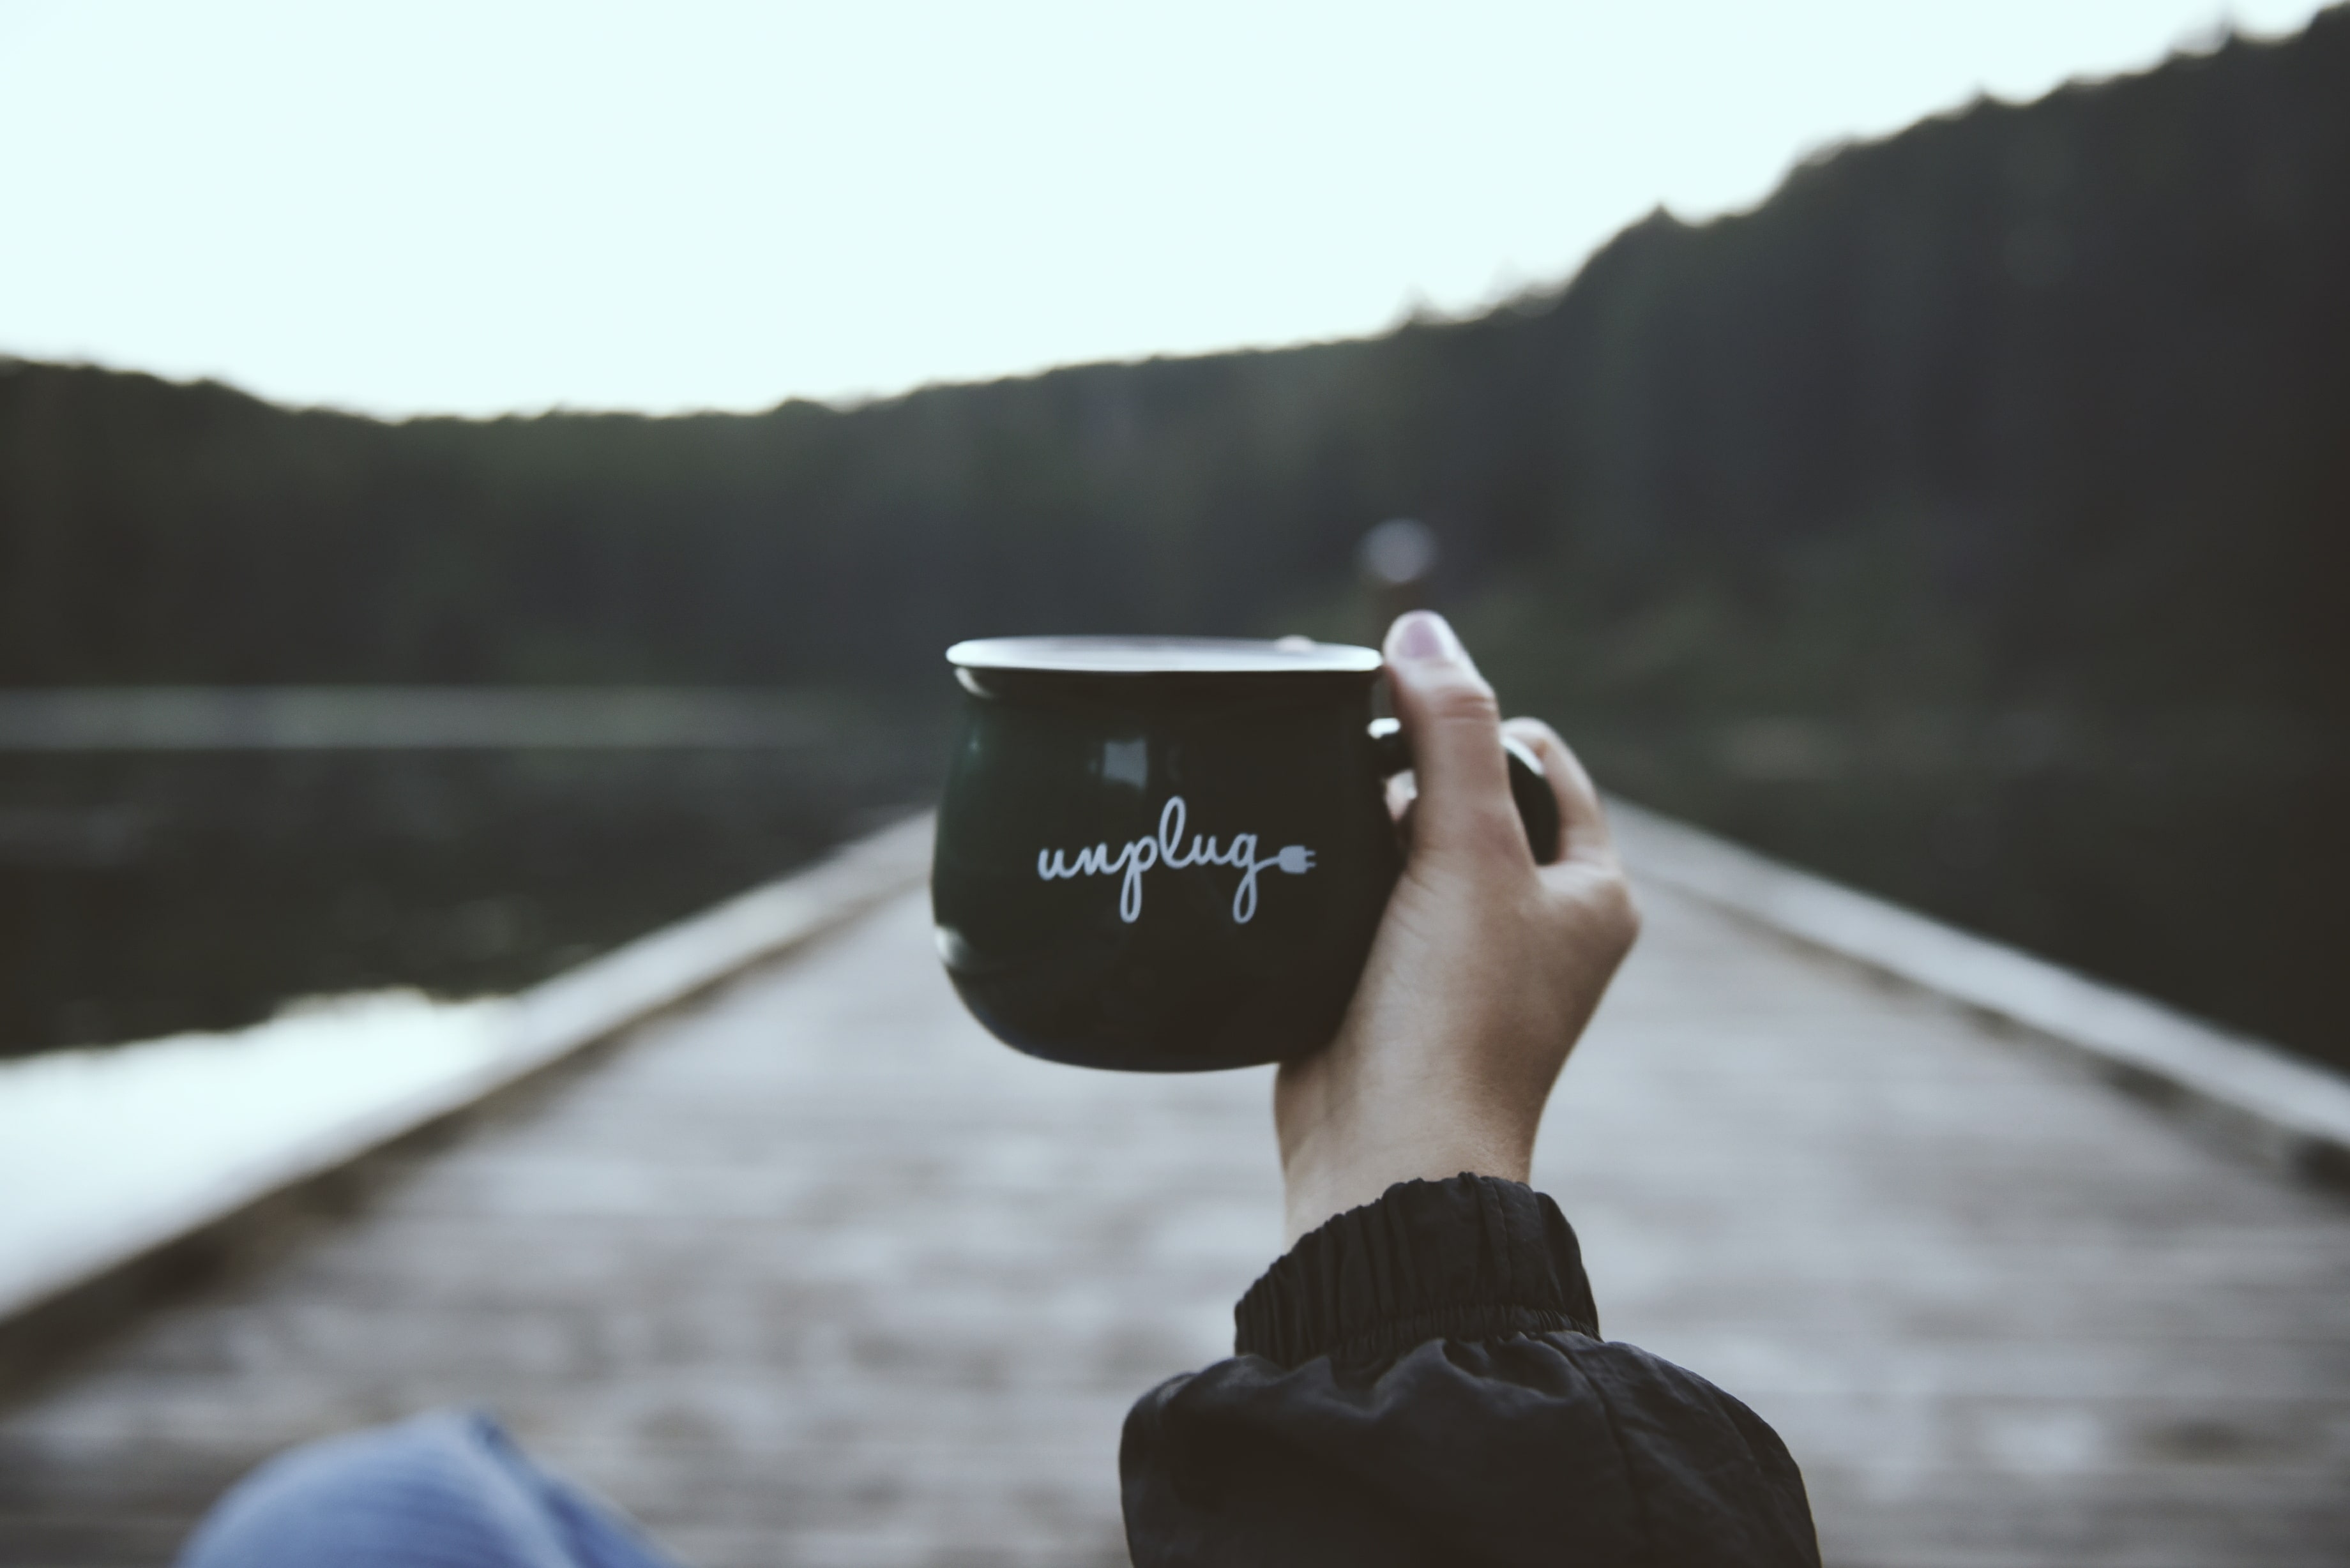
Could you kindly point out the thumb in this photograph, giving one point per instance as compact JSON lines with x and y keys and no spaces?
{"x":1454,"y":725}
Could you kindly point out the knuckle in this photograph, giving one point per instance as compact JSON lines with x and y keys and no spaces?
{"x":1627,"y":918}
{"x":1466,"y":701}
{"x":1535,"y":730}
{"x":1618,"y":914}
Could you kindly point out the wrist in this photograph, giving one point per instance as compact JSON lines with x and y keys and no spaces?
{"x":1328,"y":1170}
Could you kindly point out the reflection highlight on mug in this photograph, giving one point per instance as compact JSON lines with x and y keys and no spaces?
{"x":1166,"y":847}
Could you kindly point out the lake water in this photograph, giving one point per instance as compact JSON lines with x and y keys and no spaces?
{"x":191,"y":860}
{"x":207,"y":881}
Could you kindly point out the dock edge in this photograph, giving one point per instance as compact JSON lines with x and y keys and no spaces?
{"x":119,"y":1274}
{"x":2292,"y":1114}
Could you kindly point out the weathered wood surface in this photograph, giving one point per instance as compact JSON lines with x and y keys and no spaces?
{"x":816,"y":1274}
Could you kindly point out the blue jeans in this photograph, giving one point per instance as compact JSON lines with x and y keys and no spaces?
{"x":448,"y":1489}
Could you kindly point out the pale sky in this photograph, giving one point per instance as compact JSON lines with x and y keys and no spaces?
{"x":488,"y":207}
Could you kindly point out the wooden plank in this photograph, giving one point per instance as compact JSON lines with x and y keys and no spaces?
{"x":813,"y":1273}
{"x":2001,"y":1314}
{"x":58,"y":1287}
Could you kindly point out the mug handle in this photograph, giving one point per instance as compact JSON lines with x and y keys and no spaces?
{"x":1537,"y":806}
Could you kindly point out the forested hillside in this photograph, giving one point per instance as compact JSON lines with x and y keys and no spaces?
{"x":1972,"y":518}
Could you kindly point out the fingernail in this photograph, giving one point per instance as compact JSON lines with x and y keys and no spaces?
{"x":1424,"y":635}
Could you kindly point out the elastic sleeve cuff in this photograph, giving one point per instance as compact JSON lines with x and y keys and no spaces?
{"x":1470,"y":1258}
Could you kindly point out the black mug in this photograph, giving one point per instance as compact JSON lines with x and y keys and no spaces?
{"x":1167,"y":855}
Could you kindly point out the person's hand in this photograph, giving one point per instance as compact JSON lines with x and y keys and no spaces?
{"x":1485,"y":969}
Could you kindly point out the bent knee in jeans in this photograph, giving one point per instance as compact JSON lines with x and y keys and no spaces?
{"x":448,"y":1489}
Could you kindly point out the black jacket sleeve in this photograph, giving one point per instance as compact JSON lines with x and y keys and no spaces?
{"x":1422,"y":1381}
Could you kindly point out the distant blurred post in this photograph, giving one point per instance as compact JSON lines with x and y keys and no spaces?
{"x":1396,"y":560}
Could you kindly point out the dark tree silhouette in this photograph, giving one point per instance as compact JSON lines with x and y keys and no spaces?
{"x":2004,"y":464}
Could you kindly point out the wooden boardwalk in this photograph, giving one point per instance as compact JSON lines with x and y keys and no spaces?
{"x":816,"y":1274}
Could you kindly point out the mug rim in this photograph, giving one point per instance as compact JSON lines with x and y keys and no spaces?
{"x":1188,"y":658}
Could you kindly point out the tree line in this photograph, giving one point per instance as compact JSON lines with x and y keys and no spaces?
{"x":2027,"y":408}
